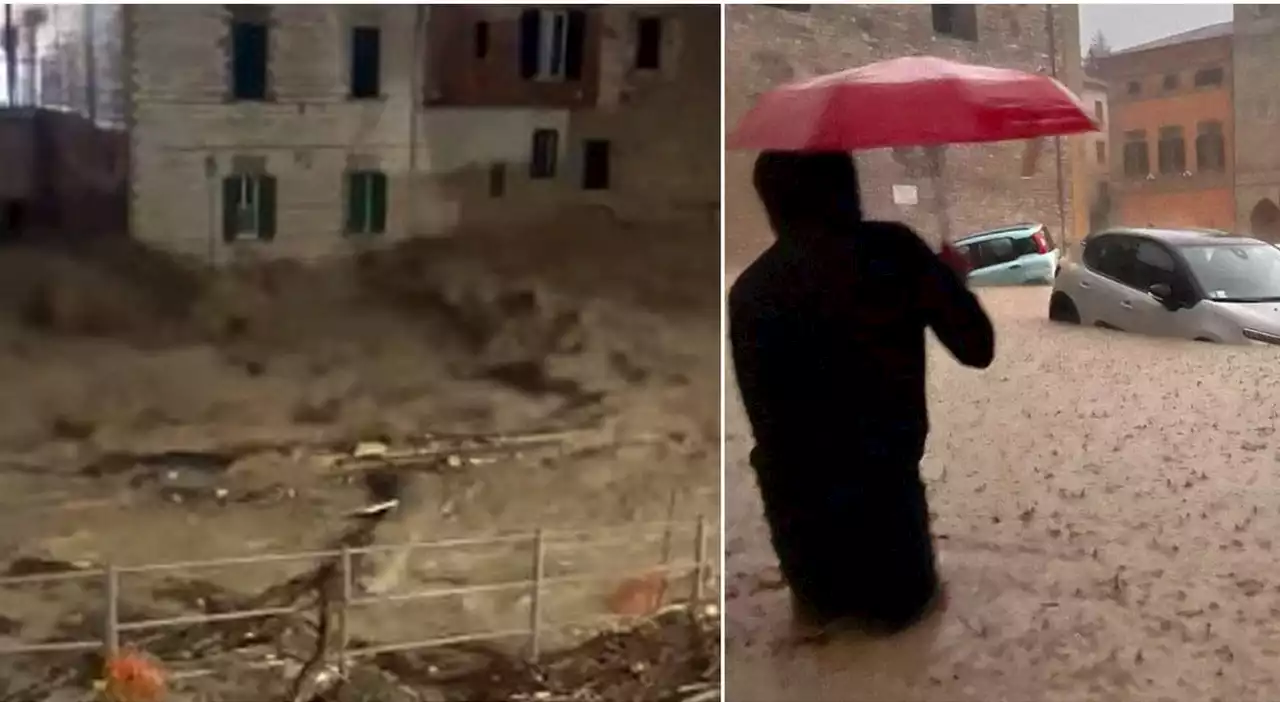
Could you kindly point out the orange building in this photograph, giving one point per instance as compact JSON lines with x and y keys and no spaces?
{"x":1171,"y":131}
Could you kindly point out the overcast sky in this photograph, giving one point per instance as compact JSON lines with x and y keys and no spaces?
{"x":1129,"y":25}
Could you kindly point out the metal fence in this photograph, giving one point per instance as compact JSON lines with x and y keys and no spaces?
{"x":537,"y":586}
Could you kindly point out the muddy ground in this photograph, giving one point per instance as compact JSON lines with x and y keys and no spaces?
{"x":1106,"y":508}
{"x":564,"y":375}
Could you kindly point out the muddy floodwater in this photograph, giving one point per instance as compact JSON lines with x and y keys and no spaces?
{"x":1107,"y":509}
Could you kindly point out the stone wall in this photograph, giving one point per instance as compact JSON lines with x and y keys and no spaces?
{"x":186,"y":134}
{"x":1256,"y":105}
{"x":766,"y":46}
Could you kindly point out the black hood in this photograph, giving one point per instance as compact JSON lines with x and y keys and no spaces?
{"x":808,"y":194}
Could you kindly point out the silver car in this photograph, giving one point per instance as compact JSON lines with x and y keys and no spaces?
{"x":1190,"y":284}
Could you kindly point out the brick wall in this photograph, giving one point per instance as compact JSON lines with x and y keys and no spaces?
{"x":766,"y":46}
{"x":1204,"y":199}
{"x":663,"y":125}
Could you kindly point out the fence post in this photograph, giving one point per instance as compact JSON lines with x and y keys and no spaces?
{"x":700,"y":557}
{"x":344,"y":605}
{"x":111,"y":626}
{"x":535,"y":604}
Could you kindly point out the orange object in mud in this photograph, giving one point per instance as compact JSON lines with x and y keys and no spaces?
{"x":132,"y":676}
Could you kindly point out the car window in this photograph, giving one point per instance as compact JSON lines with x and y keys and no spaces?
{"x":996,"y":251}
{"x":1153,"y":264}
{"x":1112,"y":256}
{"x":1024,"y":246}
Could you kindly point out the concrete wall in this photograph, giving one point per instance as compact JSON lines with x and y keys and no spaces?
{"x":766,"y":46}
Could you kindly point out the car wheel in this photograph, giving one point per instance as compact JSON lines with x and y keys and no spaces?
{"x":1062,"y":309}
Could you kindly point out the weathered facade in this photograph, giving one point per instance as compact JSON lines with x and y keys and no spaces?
{"x":303,"y":130}
{"x":1256,"y":101}
{"x":767,"y":45}
{"x":1172,"y":130}
{"x":1093,"y":159}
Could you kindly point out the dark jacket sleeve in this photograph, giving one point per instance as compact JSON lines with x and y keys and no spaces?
{"x":954,"y":313}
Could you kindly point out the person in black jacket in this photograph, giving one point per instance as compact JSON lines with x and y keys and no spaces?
{"x":827,"y":329}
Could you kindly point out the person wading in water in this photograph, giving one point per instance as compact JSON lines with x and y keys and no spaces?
{"x":827,"y":329}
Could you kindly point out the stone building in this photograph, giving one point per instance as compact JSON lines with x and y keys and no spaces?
{"x":304,"y":130}
{"x":1256,"y":102}
{"x":1172,"y":130}
{"x":767,"y":45}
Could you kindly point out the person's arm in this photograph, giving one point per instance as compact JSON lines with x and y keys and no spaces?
{"x":952,"y":310}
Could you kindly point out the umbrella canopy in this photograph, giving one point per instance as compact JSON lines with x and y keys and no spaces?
{"x":912,"y":101}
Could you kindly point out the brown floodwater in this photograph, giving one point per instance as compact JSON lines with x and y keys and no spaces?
{"x":1107,"y":509}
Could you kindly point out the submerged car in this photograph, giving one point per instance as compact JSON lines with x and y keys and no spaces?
{"x":1020,"y":254}
{"x":1191,"y":284}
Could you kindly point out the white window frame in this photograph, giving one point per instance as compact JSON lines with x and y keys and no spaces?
{"x":552,"y":47}
{"x":248,"y":217}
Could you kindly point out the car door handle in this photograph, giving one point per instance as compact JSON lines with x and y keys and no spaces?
{"x":1084,"y":285}
{"x":1015,"y":266}
{"x":1127,"y":305}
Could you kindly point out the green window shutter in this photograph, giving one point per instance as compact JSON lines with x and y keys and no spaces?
{"x":230,"y":195}
{"x":356,"y":215}
{"x":266,"y":207}
{"x":378,"y":203}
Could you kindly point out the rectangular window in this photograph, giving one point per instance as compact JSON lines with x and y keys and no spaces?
{"x":1208,"y":77}
{"x":1211,"y":152}
{"x":1099,"y":112}
{"x":1172,"y":151}
{"x":956,"y":21}
{"x":249,"y":46}
{"x":1137,"y":158}
{"x":1170,"y":81}
{"x":366,"y":202}
{"x":366,"y":62}
{"x":649,"y":43}
{"x":552,"y":44}
{"x":595,"y":165}
{"x":481,"y":40}
{"x":497,"y":179}
{"x":1134,"y":87}
{"x":248,"y":207}
{"x":542,"y":162}
{"x":1100,"y":152}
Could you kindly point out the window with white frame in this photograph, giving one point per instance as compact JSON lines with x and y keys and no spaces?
{"x":552,"y":44}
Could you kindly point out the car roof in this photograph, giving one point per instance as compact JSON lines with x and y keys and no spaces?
{"x":1027,"y":229}
{"x":1184,"y":237}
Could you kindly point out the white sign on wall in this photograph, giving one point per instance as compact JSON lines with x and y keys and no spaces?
{"x":905,"y":195}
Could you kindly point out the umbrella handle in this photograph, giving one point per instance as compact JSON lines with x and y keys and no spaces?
{"x":937,"y":168}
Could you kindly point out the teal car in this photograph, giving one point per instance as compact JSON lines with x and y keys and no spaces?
{"x":1021,"y":254}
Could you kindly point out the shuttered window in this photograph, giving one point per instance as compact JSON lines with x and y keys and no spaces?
{"x":248,"y":207}
{"x":366,"y":202}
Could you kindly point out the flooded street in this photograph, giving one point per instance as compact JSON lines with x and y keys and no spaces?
{"x":1107,"y":509}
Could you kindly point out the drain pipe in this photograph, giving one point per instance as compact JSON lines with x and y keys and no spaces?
{"x":1051,"y":25}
